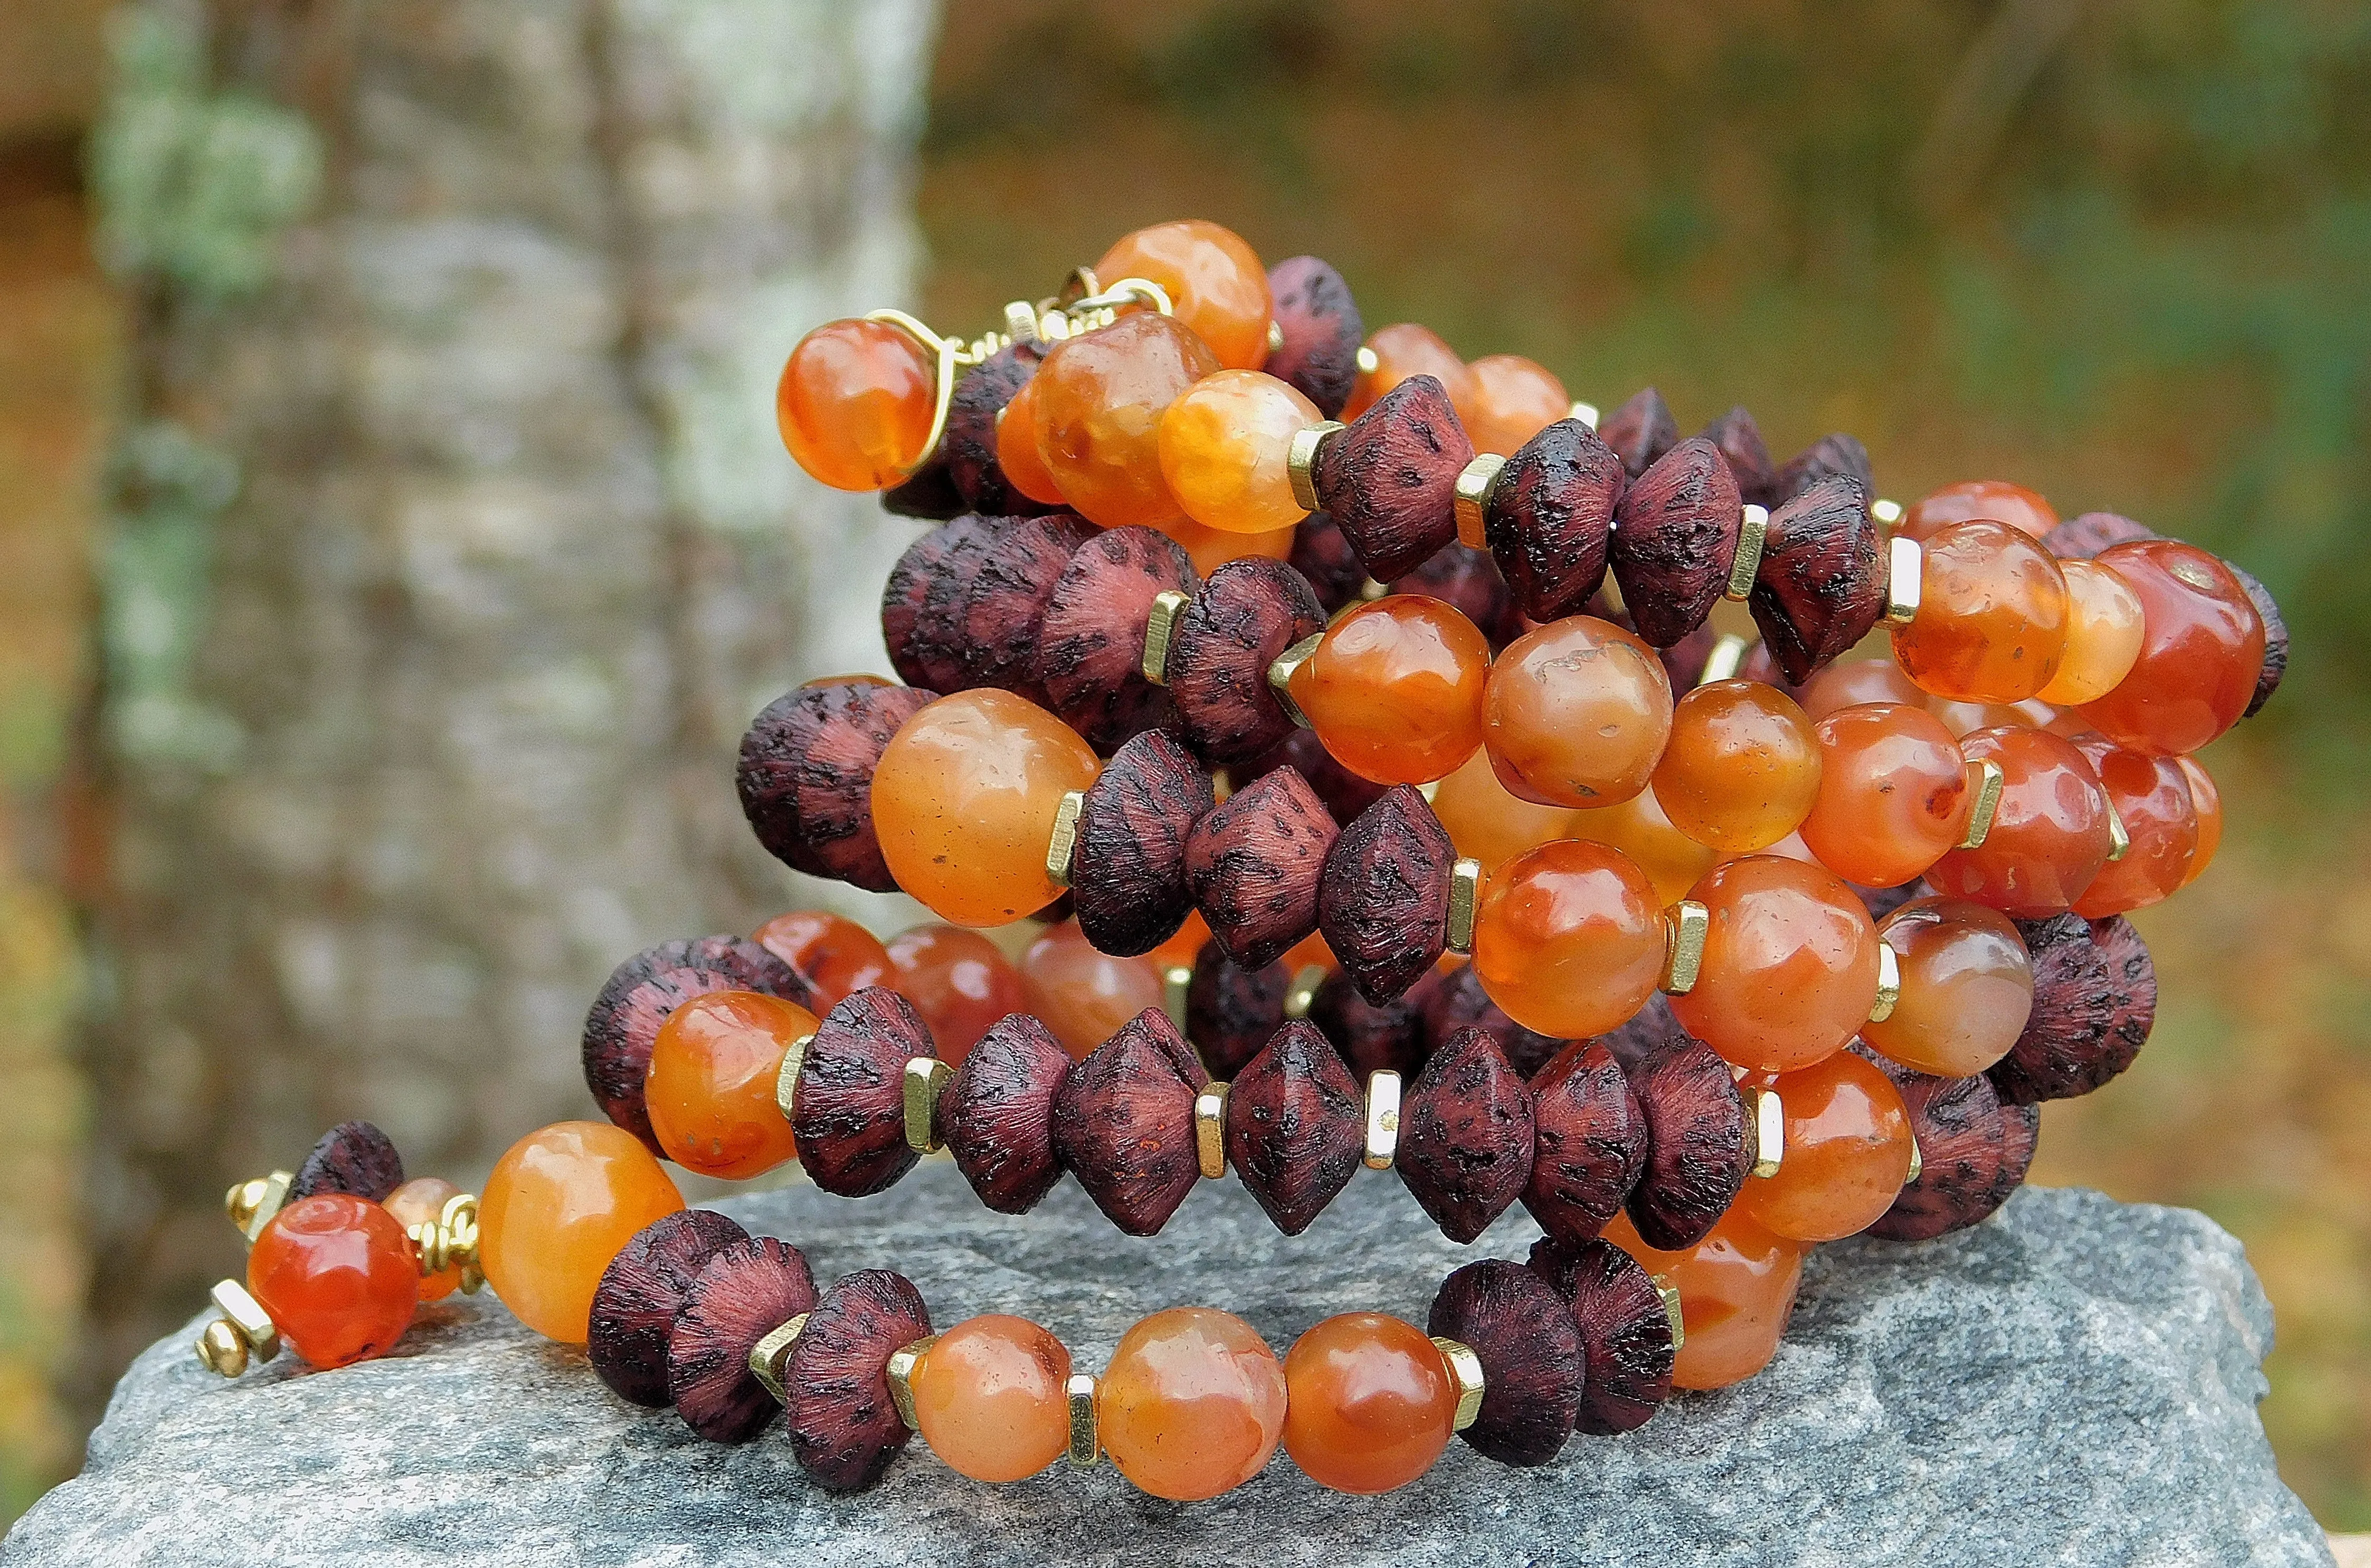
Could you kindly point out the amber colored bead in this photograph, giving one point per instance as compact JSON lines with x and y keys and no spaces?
{"x":1513,"y":399}
{"x":2201,"y":650}
{"x":1569,"y":938}
{"x":1737,"y":1289}
{"x":959,"y":981}
{"x":1016,"y":448}
{"x":711,"y":1083}
{"x":1742,"y":768}
{"x":1789,"y":968}
{"x":1214,"y":282}
{"x":1991,"y":624}
{"x":1192,"y":1404}
{"x":557,"y":1208}
{"x":854,"y":404}
{"x":1967,"y":987}
{"x":1395,"y":689}
{"x":1095,"y":405}
{"x":338,"y":1277}
{"x":1081,"y":995}
{"x":2103,"y":634}
{"x":2020,"y":508}
{"x":1210,"y":549}
{"x":1223,"y":446}
{"x":835,"y":955}
{"x":1637,"y":827}
{"x":1893,"y":795}
{"x":2206,"y":804}
{"x":2150,"y":795}
{"x":1576,"y":713}
{"x":991,"y":1397}
{"x":1847,"y":1152}
{"x":1371,"y":1405}
{"x":2049,"y":835}
{"x":421,"y":1201}
{"x":1855,"y":682}
{"x":1406,"y":350}
{"x":1966,"y":718}
{"x":1491,"y":825}
{"x":963,"y":799}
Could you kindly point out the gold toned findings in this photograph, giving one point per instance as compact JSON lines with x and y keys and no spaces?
{"x":1671,"y":1294}
{"x":902,"y":1362}
{"x":1085,"y":1445}
{"x":1917,"y":1161}
{"x":926,"y":1079}
{"x":1160,"y":629}
{"x":1465,"y":893}
{"x":1383,"y":1119}
{"x":245,"y":1330}
{"x":1585,"y":412}
{"x":450,"y":1241}
{"x":1689,"y":922}
{"x":2120,"y":838}
{"x":1368,"y":362}
{"x":1887,"y":513}
{"x":1769,"y":1132}
{"x":252,"y":1203}
{"x":1280,"y":673}
{"x":1176,"y":981}
{"x":1467,"y":1368}
{"x":1302,"y":995}
{"x":1210,"y":1129}
{"x":1471,"y":504}
{"x":786,"y":1082}
{"x":1989,"y":780}
{"x":1904,"y":564}
{"x":770,"y":1358}
{"x":1727,"y":657}
{"x":1889,"y":982}
{"x":1300,"y":460}
{"x":1752,"y":529}
{"x":1064,"y":841}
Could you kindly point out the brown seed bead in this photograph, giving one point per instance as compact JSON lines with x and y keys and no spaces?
{"x":1741,"y":770}
{"x":749,"y":1287}
{"x":1382,"y":904}
{"x":969,"y":446}
{"x":353,"y":1157}
{"x":1319,"y":324}
{"x":1390,"y":479}
{"x":2083,"y":538}
{"x":1128,"y":867}
{"x":1090,"y":637}
{"x":2094,"y":1002}
{"x":1550,"y":520}
{"x":1820,"y":586}
{"x":805,"y":777}
{"x":1626,"y":1332}
{"x":1991,"y":624}
{"x":623,"y":1022}
{"x":2201,"y":650}
{"x":1967,"y":987}
{"x":1123,"y":1125}
{"x":2021,"y":509}
{"x":848,"y":1113}
{"x":1831,"y":456}
{"x":923,"y":597}
{"x":1230,"y":1011}
{"x":2049,"y":837}
{"x":2150,"y":795}
{"x":1245,"y":617}
{"x":1789,"y":968}
{"x":1969,"y":1160}
{"x":1254,"y":863}
{"x":1465,"y":1136}
{"x":1674,"y":539}
{"x":1345,"y":793}
{"x":1893,"y":795}
{"x":1000,"y":618}
{"x":929,"y":492}
{"x":635,"y":1305}
{"x":1321,"y":554}
{"x":1576,"y":714}
{"x":844,"y":1427}
{"x":996,"y":1115}
{"x":1589,"y":1142}
{"x":1697,"y":1155}
{"x":1741,"y":444}
{"x":1640,"y":430}
{"x":1523,"y":1332}
{"x":1295,"y":1126}
{"x":1370,"y":1037}
{"x":1468,"y":580}
{"x":1457,"y":1000}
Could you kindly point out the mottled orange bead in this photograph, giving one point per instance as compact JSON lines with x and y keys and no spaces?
{"x":1789,"y":969}
{"x":835,"y":955}
{"x":1016,"y":448}
{"x":2206,"y":804}
{"x":1967,"y":987}
{"x":1487,"y":824}
{"x":963,"y":799}
{"x":959,"y":981}
{"x":2020,"y":508}
{"x":1737,"y":1290}
{"x":1395,"y":689}
{"x":1095,"y":405}
{"x":2049,"y":835}
{"x":1847,"y":1152}
{"x":1894,"y":793}
{"x":421,"y":1201}
{"x":555,"y":1211}
{"x":338,"y":1277}
{"x":1966,"y":718}
{"x":1637,"y":827}
{"x":991,"y":1397}
{"x":1576,"y":713}
{"x":1082,"y":994}
{"x":2201,"y":649}
{"x":1371,"y":1403}
{"x":1214,"y":282}
{"x":1513,"y":399}
{"x":1404,"y":349}
{"x":1569,"y":938}
{"x":1210,"y":549}
{"x":2150,"y":795}
{"x":1192,"y":1404}
{"x":1741,"y":768}
{"x":1991,"y":624}
{"x":1223,"y":446}
{"x":855,"y":404}
{"x":1856,"y":682}
{"x":710,"y":1082}
{"x":2103,"y":634}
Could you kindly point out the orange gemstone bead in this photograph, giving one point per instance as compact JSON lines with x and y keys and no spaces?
{"x":1967,"y":987}
{"x":2206,"y":804}
{"x":1491,"y":825}
{"x":2049,"y":835}
{"x":1789,"y":968}
{"x":1096,"y":403}
{"x":2150,"y":795}
{"x":1576,"y":713}
{"x":1371,"y":1403}
{"x":338,"y":1277}
{"x":1569,"y":938}
{"x":1742,"y":768}
{"x":963,"y":799}
{"x":837,"y":956}
{"x":1223,"y":446}
{"x":1210,"y":549}
{"x":1214,"y":282}
{"x":2020,"y":508}
{"x":855,"y":404}
{"x":1192,"y":1404}
{"x":554,"y":1213}
{"x":959,"y":981}
{"x":1395,"y":689}
{"x":1637,"y":827}
{"x":2103,"y":634}
{"x":1847,"y":1152}
{"x":1016,"y":448}
{"x":1737,"y":1289}
{"x":1893,"y":795}
{"x":1966,"y":718}
{"x":1513,"y":399}
{"x":991,"y":1397}
{"x":1851,"y":683}
{"x":1406,"y":350}
{"x":2201,"y":649}
{"x":711,"y":1083}
{"x":1080,"y":992}
{"x":1991,"y":624}
{"x":421,"y":1201}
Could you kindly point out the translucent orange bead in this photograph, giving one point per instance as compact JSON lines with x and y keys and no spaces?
{"x":1741,"y":768}
{"x":959,"y":981}
{"x":2206,"y":803}
{"x":1210,"y":549}
{"x":1095,"y":405}
{"x":2201,"y":649}
{"x":338,"y":1277}
{"x":1406,"y":350}
{"x":1223,"y":446}
{"x":1016,"y":448}
{"x":991,"y":1397}
{"x":1856,"y":682}
{"x":1395,"y":689}
{"x":1966,"y":718}
{"x":2049,"y":835}
{"x":1847,"y":1152}
{"x":421,"y":1201}
{"x":1637,"y":827}
{"x":557,"y":1208}
{"x":1214,"y":282}
{"x":963,"y":798}
{"x":711,"y":1083}
{"x":1967,"y":987}
{"x":2103,"y":634}
{"x":2150,"y":795}
{"x":855,"y":403}
{"x":1789,"y":968}
{"x":1082,"y":994}
{"x":1576,"y":713}
{"x":1569,"y":938}
{"x":1991,"y":624}
{"x":2020,"y":508}
{"x":1487,"y":823}
{"x":1894,"y":793}
{"x":1370,"y":1406}
{"x":1737,"y":1290}
{"x":1513,"y":399}
{"x":1192,"y":1404}
{"x":835,"y":955}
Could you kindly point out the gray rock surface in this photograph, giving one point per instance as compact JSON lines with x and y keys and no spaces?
{"x":2075,"y":1382}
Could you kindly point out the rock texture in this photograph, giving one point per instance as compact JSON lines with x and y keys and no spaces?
{"x":2072,"y":1383}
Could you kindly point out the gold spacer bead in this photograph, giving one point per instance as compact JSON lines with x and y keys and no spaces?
{"x":1020,"y":323}
{"x":1465,"y":1370}
{"x":1475,"y":481}
{"x":1727,"y":657}
{"x":1917,"y":1161}
{"x":1160,"y":631}
{"x":902,"y":1362}
{"x":221,"y":1350}
{"x":1210,"y":1129}
{"x":1889,"y":982}
{"x":1383,"y":1119}
{"x":1671,"y":1294}
{"x":770,"y":1358}
{"x":1367,"y":362}
{"x":1769,"y":1132}
{"x":1886,"y":512}
{"x":1683,"y":952}
{"x":1904,"y":561}
{"x":248,"y":1318}
{"x":1989,"y":780}
{"x":1585,"y":412}
{"x":253,"y":1203}
{"x":1301,"y":994}
{"x":786,"y":1082}
{"x":1085,"y":1448}
{"x":1280,"y":673}
{"x":1301,"y":461}
{"x":1275,"y":336}
{"x":1464,"y":896}
{"x":1752,"y":531}
{"x":1063,"y":842}
{"x":2120,"y":838}
{"x":1176,"y":982}
{"x":926,"y":1079}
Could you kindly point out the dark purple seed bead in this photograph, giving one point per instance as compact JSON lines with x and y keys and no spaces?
{"x":745,"y":1290}
{"x":635,"y":1305}
{"x":844,"y":1426}
{"x":353,"y":1157}
{"x":1523,"y":1332}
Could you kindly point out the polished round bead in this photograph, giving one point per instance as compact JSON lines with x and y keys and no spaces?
{"x":836,"y":956}
{"x":711,"y":1083}
{"x":1192,"y":1404}
{"x":1847,"y":1152}
{"x":1489,"y":825}
{"x":1967,"y":987}
{"x":1741,"y":768}
{"x":2150,"y":795}
{"x":1966,"y":718}
{"x":1893,"y":795}
{"x":1513,"y":399}
{"x":1853,"y":682}
{"x":1210,"y":549}
{"x":959,"y":981}
{"x":2049,"y":835}
{"x":2206,"y":804}
{"x":963,"y":799}
{"x":1082,"y":994}
{"x":338,"y":1277}
{"x":991,"y":1397}
{"x":1569,"y":938}
{"x":2020,"y":508}
{"x":1576,"y":713}
{"x":421,"y":1201}
{"x":2103,"y":634}
{"x":855,"y":404}
{"x":1371,"y":1403}
{"x":1395,"y":689}
{"x":1095,"y":404}
{"x":1016,"y":448}
{"x":1214,"y":282}
{"x":2201,"y":649}
{"x":1737,"y":1290}
{"x":1790,"y":967}
{"x":1992,"y":615}
{"x":1637,"y":827}
{"x":555,"y":1211}
{"x":1406,"y":350}
{"x":1224,"y":443}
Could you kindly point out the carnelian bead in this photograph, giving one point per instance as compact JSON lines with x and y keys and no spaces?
{"x":1223,"y":446}
{"x":1082,"y":994}
{"x":1894,"y":793}
{"x":1395,"y":689}
{"x":1847,"y":1152}
{"x":1371,"y":1403}
{"x":2048,"y":833}
{"x":1967,"y":987}
{"x":1016,"y":448}
{"x":1214,"y":280}
{"x":959,"y":981}
{"x":834,"y":954}
{"x":1637,"y":827}
{"x":1491,"y":825}
{"x":421,"y":1201}
{"x":2206,"y":804}
{"x":1513,"y":399}
{"x":1406,"y":350}
{"x":1856,"y":682}
{"x":2150,"y":795}
{"x":338,"y":1277}
{"x":1741,"y":768}
{"x":710,"y":1082}
{"x":855,"y":404}
{"x":1737,"y":1289}
{"x":1576,"y":713}
{"x":2201,"y":649}
{"x":2103,"y":634}
{"x":2020,"y":508}
{"x":1095,"y":405}
{"x":1966,"y":718}
{"x":1790,"y":967}
{"x":1569,"y":938}
{"x":991,"y":1397}
{"x":1210,"y":549}
{"x":557,"y":1208}
{"x":1192,"y":1404}
{"x":963,"y":799}
{"x":1992,"y":615}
